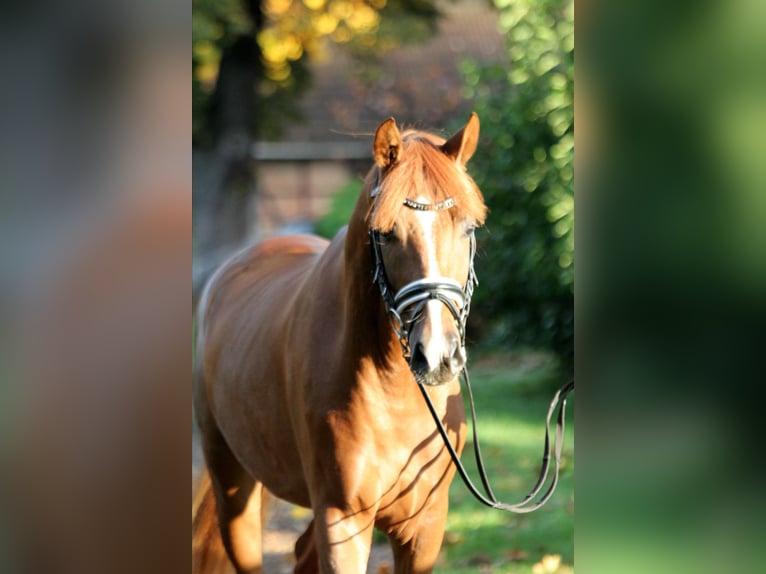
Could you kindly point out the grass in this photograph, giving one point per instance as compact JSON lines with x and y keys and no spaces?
{"x":511,"y":401}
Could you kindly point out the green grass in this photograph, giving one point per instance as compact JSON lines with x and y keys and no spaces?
{"x":511,"y":401}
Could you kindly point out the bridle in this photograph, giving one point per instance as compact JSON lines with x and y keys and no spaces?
{"x":404,"y":309}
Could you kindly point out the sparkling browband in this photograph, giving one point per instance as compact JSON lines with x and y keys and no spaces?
{"x":445,"y":204}
{"x":412,"y":204}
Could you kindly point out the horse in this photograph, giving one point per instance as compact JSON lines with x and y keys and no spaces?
{"x":307,"y":356}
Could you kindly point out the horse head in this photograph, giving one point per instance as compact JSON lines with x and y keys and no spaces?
{"x":423,"y":210}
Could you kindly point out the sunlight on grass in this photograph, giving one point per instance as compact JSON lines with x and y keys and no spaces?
{"x":506,"y":431}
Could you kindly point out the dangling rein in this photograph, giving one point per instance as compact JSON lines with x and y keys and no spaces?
{"x":415,"y":295}
{"x":526,"y":504}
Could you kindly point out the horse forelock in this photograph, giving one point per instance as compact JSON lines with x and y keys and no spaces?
{"x":424,"y":172}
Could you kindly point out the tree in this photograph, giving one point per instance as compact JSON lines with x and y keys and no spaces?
{"x":251,"y":56}
{"x":525,"y":170}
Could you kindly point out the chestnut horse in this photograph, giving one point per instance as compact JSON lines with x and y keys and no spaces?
{"x":302,"y":387}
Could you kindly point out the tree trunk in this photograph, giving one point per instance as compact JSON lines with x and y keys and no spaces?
{"x":224,"y":173}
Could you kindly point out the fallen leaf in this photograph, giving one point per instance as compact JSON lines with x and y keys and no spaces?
{"x":548,"y":564}
{"x":517,"y":554}
{"x":480,"y":560}
{"x":452,"y":538}
{"x":551,"y":562}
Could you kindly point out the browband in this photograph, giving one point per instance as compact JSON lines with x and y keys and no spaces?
{"x":445,"y":204}
{"x":417,"y":205}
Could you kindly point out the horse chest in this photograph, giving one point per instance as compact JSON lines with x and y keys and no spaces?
{"x":394,"y":460}
{"x":411,"y":479}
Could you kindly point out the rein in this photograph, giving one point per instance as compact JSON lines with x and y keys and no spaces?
{"x":526,"y":504}
{"x":404,"y":308}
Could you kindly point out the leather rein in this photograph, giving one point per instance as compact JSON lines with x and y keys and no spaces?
{"x":404,"y":309}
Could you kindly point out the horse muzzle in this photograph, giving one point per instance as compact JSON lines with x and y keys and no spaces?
{"x":433,"y":338}
{"x":440,"y":366}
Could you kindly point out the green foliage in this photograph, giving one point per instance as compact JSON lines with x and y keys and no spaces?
{"x":340,"y":211}
{"x":217,"y":26}
{"x":525,"y":169}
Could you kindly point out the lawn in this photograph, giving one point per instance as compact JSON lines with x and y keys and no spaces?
{"x":512,"y":399}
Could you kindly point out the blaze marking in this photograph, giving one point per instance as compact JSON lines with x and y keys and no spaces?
{"x":434,"y":344}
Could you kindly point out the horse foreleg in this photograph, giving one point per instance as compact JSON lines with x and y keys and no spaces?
{"x":418,"y":554}
{"x":342,"y":540}
{"x":306,"y":559}
{"x":239,"y":500}
{"x":241,"y":519}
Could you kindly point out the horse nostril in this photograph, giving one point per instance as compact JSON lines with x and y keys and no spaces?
{"x":454,"y":358}
{"x":418,"y":360}
{"x":458,"y":360}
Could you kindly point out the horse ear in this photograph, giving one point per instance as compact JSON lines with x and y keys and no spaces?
{"x":461,"y":146}
{"x":387,"y":148}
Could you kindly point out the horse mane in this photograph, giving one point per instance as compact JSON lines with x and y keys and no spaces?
{"x":424,"y":171}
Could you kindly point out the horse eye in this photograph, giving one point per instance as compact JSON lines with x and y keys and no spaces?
{"x":469,"y":229}
{"x":391,"y":234}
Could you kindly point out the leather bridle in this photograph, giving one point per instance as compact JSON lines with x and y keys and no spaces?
{"x":404,"y":308}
